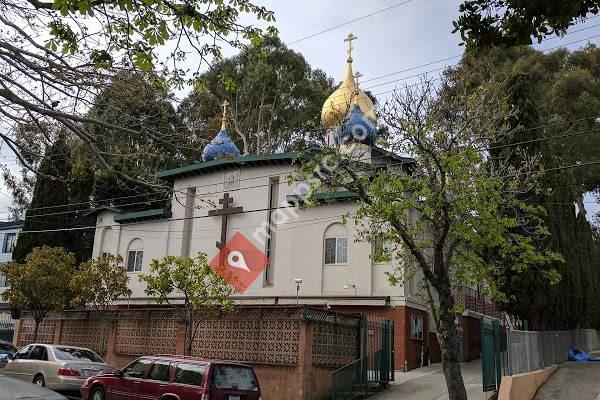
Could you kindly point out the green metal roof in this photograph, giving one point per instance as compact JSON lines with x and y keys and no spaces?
{"x":323,"y":197}
{"x":255,"y":159}
{"x":156,"y":213}
{"x":260,"y":159}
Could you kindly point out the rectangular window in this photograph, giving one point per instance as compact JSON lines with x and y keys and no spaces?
{"x":134,"y":261}
{"x":3,"y":281}
{"x":234,"y":377}
{"x":160,"y":371}
{"x":336,"y":250}
{"x":416,"y":327}
{"x":189,"y":374}
{"x":10,"y":240}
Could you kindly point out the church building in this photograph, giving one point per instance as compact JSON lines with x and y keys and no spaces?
{"x":241,"y":211}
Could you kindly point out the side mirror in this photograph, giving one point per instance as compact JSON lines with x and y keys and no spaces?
{"x":118,"y":373}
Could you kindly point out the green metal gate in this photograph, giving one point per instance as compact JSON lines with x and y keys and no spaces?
{"x":374,"y":370}
{"x":491,"y":366}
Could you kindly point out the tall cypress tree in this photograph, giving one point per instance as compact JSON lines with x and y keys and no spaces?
{"x":549,"y":91}
{"x":49,"y":217}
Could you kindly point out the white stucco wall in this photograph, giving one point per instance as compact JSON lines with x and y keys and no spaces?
{"x":299,"y":238}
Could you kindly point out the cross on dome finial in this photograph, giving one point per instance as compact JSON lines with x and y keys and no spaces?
{"x":349,"y":39}
{"x":225,"y":104}
{"x":356,"y":93}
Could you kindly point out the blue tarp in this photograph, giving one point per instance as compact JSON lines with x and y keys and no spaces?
{"x":580,"y":355}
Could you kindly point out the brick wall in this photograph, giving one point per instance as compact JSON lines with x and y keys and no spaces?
{"x":407,"y":354}
{"x":301,"y":380}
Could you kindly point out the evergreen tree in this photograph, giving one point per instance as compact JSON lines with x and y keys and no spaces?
{"x":50,"y":196}
{"x":556,"y":96}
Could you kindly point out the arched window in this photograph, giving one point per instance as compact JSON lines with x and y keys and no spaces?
{"x":335,"y":245}
{"x":135,"y":255}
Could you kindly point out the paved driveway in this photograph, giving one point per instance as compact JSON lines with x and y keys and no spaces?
{"x":572,"y":381}
{"x":428,"y":383}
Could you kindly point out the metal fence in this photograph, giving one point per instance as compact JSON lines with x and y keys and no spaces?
{"x":7,"y":330}
{"x":533,"y":350}
{"x":374,"y":369}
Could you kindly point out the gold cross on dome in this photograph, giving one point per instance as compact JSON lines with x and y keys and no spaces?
{"x":356,"y":76}
{"x":349,"y":39}
{"x":225,"y":104}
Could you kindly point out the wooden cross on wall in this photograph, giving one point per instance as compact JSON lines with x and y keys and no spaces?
{"x":226,"y":201}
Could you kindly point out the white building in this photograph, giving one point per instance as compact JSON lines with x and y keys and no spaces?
{"x":8,"y":239}
{"x":311,"y":245}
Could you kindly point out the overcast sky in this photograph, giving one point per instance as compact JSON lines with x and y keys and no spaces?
{"x":399,"y":38}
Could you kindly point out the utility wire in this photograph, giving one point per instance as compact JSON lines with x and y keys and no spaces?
{"x":201,"y":195}
{"x":350,"y":22}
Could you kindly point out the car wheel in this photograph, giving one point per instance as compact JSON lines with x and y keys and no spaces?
{"x":97,"y":393}
{"x":39,"y":380}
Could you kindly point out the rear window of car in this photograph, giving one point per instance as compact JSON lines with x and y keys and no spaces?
{"x":234,"y":377}
{"x":7,"y":349}
{"x":71,"y":353}
{"x":189,"y":374}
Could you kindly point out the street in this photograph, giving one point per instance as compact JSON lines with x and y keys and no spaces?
{"x":573,"y":381}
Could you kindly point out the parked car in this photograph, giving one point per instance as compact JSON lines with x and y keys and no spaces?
{"x":56,"y":367}
{"x":175,"y":377}
{"x":13,"y":389}
{"x":6,"y":349}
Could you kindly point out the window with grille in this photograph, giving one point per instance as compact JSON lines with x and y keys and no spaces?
{"x":336,"y":250}
{"x":134,"y":260}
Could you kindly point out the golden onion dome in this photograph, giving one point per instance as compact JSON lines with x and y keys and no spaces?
{"x":338,"y":104}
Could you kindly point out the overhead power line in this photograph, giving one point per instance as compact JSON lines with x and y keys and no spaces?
{"x":350,"y":22}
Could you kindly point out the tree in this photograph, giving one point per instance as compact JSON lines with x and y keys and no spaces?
{"x":275,"y":97}
{"x":50,"y":191}
{"x":442,"y":214}
{"x":41,"y":284}
{"x":486,"y":23}
{"x":204,"y":291}
{"x":556,"y":96}
{"x":100,"y":282}
{"x":154,"y":141}
{"x":57,"y":55}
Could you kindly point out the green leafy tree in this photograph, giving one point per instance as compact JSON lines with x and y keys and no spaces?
{"x":100,"y":282}
{"x":443,"y":214}
{"x":41,"y":284}
{"x":556,"y":96}
{"x":486,"y":23}
{"x":147,"y":137}
{"x":275,"y":97}
{"x":58,"y":55}
{"x":204,"y":291}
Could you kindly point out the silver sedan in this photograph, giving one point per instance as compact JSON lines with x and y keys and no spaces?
{"x":56,"y":367}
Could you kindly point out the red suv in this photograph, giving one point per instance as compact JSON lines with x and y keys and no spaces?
{"x":165,"y":377}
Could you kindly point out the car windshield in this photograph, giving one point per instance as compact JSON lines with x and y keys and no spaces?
{"x":71,"y":353}
{"x":7,"y":349}
{"x":234,"y":377}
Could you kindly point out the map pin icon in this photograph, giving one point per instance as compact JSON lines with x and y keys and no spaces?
{"x":236,"y":259}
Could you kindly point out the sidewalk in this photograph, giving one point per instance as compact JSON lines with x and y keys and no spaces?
{"x":428,"y":383}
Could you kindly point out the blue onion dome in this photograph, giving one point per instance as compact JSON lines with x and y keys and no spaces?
{"x":220,"y":147}
{"x":356,"y":128}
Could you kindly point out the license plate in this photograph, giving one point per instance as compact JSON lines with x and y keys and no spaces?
{"x":232,"y":397}
{"x":87,"y":373}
